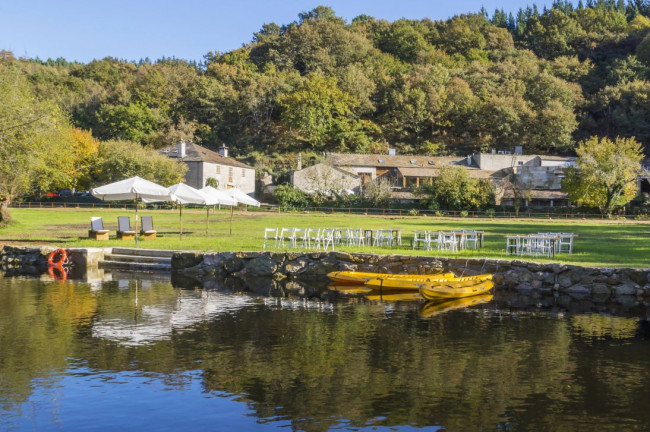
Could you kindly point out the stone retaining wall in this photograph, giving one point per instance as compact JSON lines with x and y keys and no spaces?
{"x":576,"y":281}
{"x":33,"y":260}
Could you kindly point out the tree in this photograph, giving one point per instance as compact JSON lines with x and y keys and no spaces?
{"x":453,"y":189}
{"x":605,"y":174}
{"x":117,"y":160}
{"x":30,"y":130}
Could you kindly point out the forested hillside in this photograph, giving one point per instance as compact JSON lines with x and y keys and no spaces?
{"x":544,"y":79}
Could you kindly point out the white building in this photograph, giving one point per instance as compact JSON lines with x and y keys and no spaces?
{"x":203,"y":164}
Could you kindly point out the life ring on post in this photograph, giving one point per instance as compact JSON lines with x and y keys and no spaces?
{"x":57,"y":258}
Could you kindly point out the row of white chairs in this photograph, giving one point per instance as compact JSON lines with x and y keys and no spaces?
{"x":445,"y":240}
{"x":540,"y":244}
{"x":312,"y":238}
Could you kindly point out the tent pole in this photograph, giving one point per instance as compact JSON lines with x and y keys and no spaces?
{"x":231,"y":212}
{"x":207,"y":219}
{"x":136,"y":219}
{"x":180,"y":213}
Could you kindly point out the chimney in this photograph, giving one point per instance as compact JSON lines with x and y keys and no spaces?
{"x":494,"y":151}
{"x":299,"y":162}
{"x":519,"y":150}
{"x":469,"y":160}
{"x":223,"y":150}
{"x":391,"y":152}
{"x":180,"y":149}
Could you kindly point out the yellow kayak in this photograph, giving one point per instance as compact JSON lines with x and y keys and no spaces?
{"x":450,"y":290}
{"x":350,"y":289}
{"x":415,"y":282}
{"x":437,"y":307}
{"x":356,"y":278}
{"x":383,"y":295}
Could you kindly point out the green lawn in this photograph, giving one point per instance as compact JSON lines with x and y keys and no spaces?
{"x":619,"y":244}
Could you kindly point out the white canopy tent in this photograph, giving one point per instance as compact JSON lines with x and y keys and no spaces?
{"x":241,"y":198}
{"x":134,"y":188}
{"x":221,"y":199}
{"x":185,"y":194}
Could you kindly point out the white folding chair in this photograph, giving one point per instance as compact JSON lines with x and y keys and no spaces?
{"x":270,"y":234}
{"x":312,"y":237}
{"x":449,"y":241}
{"x":566,"y":243}
{"x":471,"y":240}
{"x":300,"y":237}
{"x":327,"y":238}
{"x":513,"y":245}
{"x":421,"y":240}
{"x":287,"y":235}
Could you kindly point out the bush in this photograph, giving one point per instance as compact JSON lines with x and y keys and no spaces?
{"x":413,"y":212}
{"x":489,"y":212}
{"x":291,"y":198}
{"x":464,"y":213}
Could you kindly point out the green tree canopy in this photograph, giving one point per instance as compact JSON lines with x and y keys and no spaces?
{"x":605,"y":174}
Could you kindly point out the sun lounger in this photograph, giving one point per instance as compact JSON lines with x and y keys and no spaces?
{"x":124,"y":231}
{"x":97,"y":230}
{"x":146,"y":230}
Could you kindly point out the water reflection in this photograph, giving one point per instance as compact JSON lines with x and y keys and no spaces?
{"x":280,"y":357}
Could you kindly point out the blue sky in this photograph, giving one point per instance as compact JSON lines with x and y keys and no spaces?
{"x":83,"y":30}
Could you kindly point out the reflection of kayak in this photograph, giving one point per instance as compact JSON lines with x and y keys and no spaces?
{"x":451,"y":290}
{"x":436,"y":307}
{"x":415,"y":282}
{"x":385,"y":295}
{"x":355,"y":278}
{"x":350,"y":289}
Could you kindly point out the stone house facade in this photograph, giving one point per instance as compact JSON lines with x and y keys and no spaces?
{"x":203,"y":164}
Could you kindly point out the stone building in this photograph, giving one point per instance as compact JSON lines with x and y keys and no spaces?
{"x":324,"y":178}
{"x":539,"y":177}
{"x":203,"y":164}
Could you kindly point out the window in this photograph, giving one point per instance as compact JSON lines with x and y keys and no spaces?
{"x":218,"y":169}
{"x":380,"y":160}
{"x":520,"y":163}
{"x":230,"y":172}
{"x":243,"y":172}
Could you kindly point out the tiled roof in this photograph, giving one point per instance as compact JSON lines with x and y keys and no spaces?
{"x":434,"y":172}
{"x":397,"y":161}
{"x":197,"y":153}
{"x":541,"y":194}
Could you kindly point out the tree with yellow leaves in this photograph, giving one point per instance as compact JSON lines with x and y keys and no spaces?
{"x":605,"y":174}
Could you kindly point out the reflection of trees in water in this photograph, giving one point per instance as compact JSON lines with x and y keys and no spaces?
{"x":290,"y":360}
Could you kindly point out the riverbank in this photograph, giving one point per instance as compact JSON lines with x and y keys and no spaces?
{"x":599,"y":244}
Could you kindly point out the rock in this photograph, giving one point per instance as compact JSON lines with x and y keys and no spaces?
{"x":261,"y":266}
{"x":628,"y":288}
{"x":231,"y":263}
{"x":296,"y":266}
{"x":184,"y":260}
{"x":601,"y":289}
{"x":639,"y":277}
{"x":578,"y":291}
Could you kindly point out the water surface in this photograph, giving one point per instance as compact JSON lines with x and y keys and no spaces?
{"x":145,"y":355}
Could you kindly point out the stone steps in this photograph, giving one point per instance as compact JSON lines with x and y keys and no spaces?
{"x":149,"y":260}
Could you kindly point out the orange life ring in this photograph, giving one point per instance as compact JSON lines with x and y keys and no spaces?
{"x":61,"y":275}
{"x":62,"y":255}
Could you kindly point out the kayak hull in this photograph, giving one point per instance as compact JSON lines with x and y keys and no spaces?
{"x":451,"y":290}
{"x":356,"y":278}
{"x":440,"y":306}
{"x":414,"y":283}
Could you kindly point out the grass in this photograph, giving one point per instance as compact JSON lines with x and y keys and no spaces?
{"x":609,"y":243}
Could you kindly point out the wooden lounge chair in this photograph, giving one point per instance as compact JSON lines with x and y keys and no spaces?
{"x":97,"y":230}
{"x":124,"y":231}
{"x":146,"y":229}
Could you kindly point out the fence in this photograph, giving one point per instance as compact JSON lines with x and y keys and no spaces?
{"x":336,"y":210}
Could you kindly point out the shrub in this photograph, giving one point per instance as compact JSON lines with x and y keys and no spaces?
{"x":464,"y":213}
{"x":413,"y":212}
{"x":290,"y":197}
